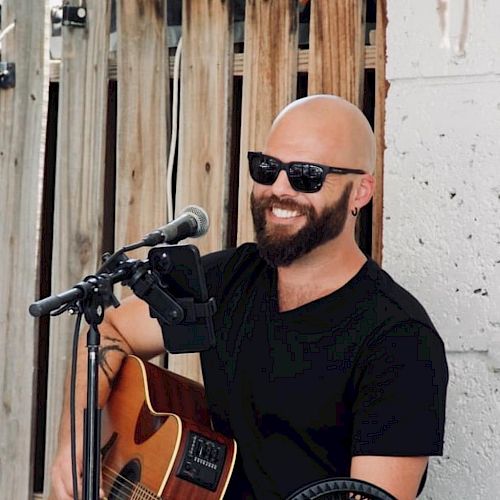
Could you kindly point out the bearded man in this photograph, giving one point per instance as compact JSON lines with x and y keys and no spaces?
{"x":323,"y":366}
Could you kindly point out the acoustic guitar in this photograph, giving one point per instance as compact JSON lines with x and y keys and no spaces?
{"x":157,"y":438}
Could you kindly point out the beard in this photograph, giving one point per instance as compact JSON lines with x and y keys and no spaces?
{"x":279,"y":248}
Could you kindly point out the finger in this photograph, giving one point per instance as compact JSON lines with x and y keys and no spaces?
{"x":101,"y":491}
{"x":59,"y":490}
{"x":79,"y":481}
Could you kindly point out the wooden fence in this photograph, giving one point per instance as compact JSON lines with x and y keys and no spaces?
{"x":100,"y":179}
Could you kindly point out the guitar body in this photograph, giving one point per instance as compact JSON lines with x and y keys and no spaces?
{"x":157,"y":441}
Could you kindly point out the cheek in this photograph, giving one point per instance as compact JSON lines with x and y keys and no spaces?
{"x":332,"y":187}
{"x":259,"y":190}
{"x":318,"y":201}
{"x":322,"y":200}
{"x":331,"y":191}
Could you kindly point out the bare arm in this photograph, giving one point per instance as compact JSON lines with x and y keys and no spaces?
{"x":126,"y":330}
{"x":399,"y":476}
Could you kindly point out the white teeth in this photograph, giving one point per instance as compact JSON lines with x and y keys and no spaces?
{"x":284,"y":214}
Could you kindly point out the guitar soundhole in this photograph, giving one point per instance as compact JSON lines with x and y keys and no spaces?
{"x":126,"y":481}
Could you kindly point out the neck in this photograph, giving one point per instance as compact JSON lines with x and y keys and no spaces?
{"x":318,"y":273}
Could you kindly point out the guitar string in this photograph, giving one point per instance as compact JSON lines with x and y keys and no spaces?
{"x":141,"y":494}
{"x":112,"y":475}
{"x":134,"y":489}
{"x":110,"y":481}
{"x":137,"y":492}
{"x":123,"y":489}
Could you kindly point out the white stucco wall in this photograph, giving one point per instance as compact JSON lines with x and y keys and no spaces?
{"x":442,"y":216}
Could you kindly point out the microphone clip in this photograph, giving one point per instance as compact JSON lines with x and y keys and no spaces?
{"x":164,"y":306}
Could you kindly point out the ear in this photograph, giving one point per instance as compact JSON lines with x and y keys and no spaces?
{"x":363,"y":191}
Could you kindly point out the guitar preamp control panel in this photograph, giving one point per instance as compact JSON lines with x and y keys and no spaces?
{"x":202,"y":461}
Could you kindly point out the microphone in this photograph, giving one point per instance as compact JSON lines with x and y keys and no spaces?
{"x":192,"y":222}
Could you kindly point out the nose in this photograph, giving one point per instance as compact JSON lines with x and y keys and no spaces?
{"x":282,"y":187}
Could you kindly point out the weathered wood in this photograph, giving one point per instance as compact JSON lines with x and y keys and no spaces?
{"x":205,"y":114}
{"x":270,"y":68}
{"x":303,"y":60}
{"x":205,"y":128}
{"x":381,"y":89}
{"x":336,"y":43}
{"x":303,"y":64}
{"x":22,"y":146}
{"x":141,"y":195}
{"x":79,"y":186}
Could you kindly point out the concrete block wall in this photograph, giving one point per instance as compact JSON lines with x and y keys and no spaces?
{"x":442,"y":214}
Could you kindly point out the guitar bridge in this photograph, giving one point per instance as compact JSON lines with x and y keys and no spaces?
{"x":202,"y":461}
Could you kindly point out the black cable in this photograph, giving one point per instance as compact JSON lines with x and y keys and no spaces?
{"x":72,"y":409}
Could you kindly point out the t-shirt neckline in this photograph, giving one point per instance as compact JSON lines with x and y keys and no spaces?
{"x":338,"y":294}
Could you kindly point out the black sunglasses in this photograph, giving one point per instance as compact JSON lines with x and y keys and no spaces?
{"x":302,"y":176}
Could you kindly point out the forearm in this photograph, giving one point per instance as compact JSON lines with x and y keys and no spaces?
{"x":112,"y":352}
{"x":399,"y":476}
{"x":126,"y":330}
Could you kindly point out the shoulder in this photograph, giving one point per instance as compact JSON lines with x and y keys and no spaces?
{"x":233,"y":264}
{"x":404,"y":335}
{"x":406,"y":343}
{"x":229,"y":258}
{"x":399,"y":323}
{"x":391,"y":300}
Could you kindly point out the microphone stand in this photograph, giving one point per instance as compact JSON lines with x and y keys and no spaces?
{"x":93,"y":309}
{"x":91,"y":296}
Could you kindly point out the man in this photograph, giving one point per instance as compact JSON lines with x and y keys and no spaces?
{"x":323,"y":365}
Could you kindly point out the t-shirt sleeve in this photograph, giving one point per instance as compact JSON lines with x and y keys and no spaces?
{"x":214,"y":265}
{"x":400,"y":393}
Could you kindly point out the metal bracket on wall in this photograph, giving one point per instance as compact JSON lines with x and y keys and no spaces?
{"x":74,"y":16}
{"x":7,"y":69}
{"x":7,"y":75}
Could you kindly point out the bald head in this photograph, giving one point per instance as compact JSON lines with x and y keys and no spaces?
{"x":323,"y":129}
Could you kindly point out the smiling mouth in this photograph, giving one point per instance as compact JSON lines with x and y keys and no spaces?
{"x":282,"y":213}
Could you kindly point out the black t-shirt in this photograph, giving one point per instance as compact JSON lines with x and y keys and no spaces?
{"x":361,"y":371}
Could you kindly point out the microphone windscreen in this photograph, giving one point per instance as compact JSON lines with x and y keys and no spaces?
{"x":201,"y":217}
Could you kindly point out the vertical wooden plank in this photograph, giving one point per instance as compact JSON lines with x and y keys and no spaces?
{"x":381,"y":89}
{"x":205,"y":127}
{"x":269,"y":84}
{"x":337,"y":49}
{"x":141,"y":156}
{"x":79,"y":186}
{"x":22,"y":146}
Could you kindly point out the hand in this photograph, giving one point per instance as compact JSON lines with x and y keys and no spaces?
{"x":62,"y":475}
{"x":62,"y":478}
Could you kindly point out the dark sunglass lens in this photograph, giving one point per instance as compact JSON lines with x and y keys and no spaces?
{"x":306,"y":178}
{"x":263,"y":170}
{"x":296,"y":177}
